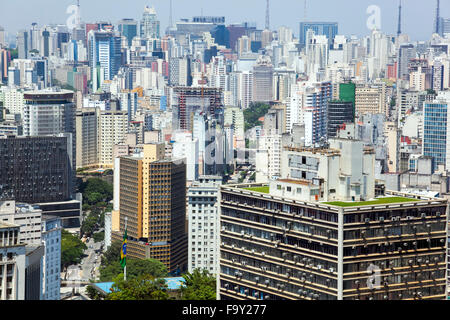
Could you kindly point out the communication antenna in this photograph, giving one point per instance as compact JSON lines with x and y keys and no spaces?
{"x":305,"y":10}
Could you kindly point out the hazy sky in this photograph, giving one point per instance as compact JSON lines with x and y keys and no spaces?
{"x":418,"y":15}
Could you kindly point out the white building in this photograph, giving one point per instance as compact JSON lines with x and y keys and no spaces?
{"x":12,"y":263}
{"x":51,"y":236}
{"x":108,"y":227}
{"x":186,"y":147}
{"x":112,"y":129}
{"x":24,"y":215}
{"x":203,"y":216}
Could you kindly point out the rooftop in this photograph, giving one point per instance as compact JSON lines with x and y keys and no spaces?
{"x":384,"y":200}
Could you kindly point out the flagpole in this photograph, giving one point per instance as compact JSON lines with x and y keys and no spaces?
{"x":125,"y":269}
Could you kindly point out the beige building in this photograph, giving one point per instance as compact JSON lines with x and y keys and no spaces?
{"x":86,"y":123}
{"x":371,"y":99}
{"x":112,"y":130}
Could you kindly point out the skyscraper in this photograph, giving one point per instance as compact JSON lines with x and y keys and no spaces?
{"x":128,"y":28}
{"x":150,"y":25}
{"x":152,"y":196}
{"x":328,"y":29}
{"x":436,"y":130}
{"x":105,"y":56}
{"x":263,"y":80}
{"x":22,"y":44}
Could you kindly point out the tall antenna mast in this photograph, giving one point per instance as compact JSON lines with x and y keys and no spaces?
{"x":268,"y":16}
{"x":399,"y":30}
{"x":438,"y":17}
{"x":305,"y":11}
{"x":170,"y":15}
{"x":78,"y":14}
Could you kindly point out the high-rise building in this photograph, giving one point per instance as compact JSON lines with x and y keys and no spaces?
{"x":339,"y":113}
{"x":22,"y":44}
{"x":263,"y":80}
{"x":436,"y":130}
{"x":203,"y":228}
{"x":150,"y":25}
{"x":86,"y":123}
{"x":35,"y":169}
{"x":12,"y":266}
{"x":152,"y":202}
{"x":51,"y":236}
{"x":128,"y":28}
{"x":105,"y":56}
{"x":328,"y":29}
{"x":286,"y":241}
{"x":112,"y":129}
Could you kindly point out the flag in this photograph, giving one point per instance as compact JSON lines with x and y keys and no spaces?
{"x":123,"y":250}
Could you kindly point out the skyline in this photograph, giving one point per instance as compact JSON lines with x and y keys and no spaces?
{"x":350,"y":23}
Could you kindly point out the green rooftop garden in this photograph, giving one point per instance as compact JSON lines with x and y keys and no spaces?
{"x":372,"y":202}
{"x":259,"y":189}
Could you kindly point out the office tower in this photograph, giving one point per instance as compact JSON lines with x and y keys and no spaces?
{"x":105,"y":56}
{"x":303,"y":247}
{"x":263,"y":80}
{"x":86,"y":124}
{"x":112,"y":128}
{"x":35,"y":169}
{"x":51,"y":236}
{"x":308,"y":106}
{"x":153,"y":199}
{"x":22,"y":44}
{"x":149,"y":24}
{"x":435,"y":130}
{"x":3,"y":43}
{"x":339,"y":113}
{"x":317,"y":53}
{"x":328,"y":29}
{"x":437,"y":21}
{"x":128,"y":28}
{"x":186,"y":101}
{"x":25,"y":216}
{"x":243,"y":45}
{"x":186,"y":147}
{"x":129,"y":103}
{"x":12,"y":266}
{"x":405,"y":54}
{"x":51,"y":112}
{"x":371,"y":99}
{"x":5,"y":59}
{"x":34,"y":259}
{"x":203,"y":215}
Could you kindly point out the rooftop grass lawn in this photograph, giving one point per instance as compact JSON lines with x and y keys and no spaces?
{"x":373,"y":202}
{"x":259,"y":189}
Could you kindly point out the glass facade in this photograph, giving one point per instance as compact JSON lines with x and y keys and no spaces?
{"x":435,"y":132}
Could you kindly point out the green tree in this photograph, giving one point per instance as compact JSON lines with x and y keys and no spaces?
{"x":112,"y":254}
{"x":199,"y":285}
{"x":135,"y":268}
{"x":72,"y":249}
{"x":144,"y":287}
{"x":252,"y":114}
{"x":99,"y":236}
{"x":94,"y":294}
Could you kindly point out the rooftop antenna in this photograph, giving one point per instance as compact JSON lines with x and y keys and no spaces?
{"x":305,"y":11}
{"x":78,"y":14}
{"x":170,"y":15}
{"x":268,"y":16}
{"x":438,"y":16}
{"x":399,"y":30}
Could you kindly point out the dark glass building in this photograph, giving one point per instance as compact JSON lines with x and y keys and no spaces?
{"x":35,"y":169}
{"x":339,"y":112}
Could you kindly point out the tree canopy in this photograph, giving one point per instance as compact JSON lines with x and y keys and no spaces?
{"x":135,"y":268}
{"x":252,"y":114}
{"x":144,"y":287}
{"x":72,"y":249}
{"x":199,"y":285}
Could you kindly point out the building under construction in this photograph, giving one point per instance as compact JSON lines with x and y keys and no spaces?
{"x":186,"y":101}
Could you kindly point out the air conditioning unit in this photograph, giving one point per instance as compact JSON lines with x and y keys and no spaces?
{"x":381,"y":219}
{"x":409,"y":218}
{"x":423,"y":215}
{"x":367,"y":220}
